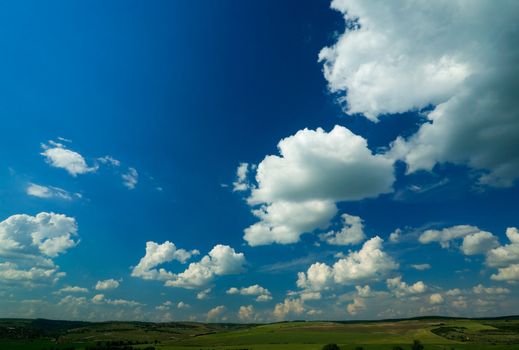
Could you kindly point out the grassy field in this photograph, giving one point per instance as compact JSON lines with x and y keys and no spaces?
{"x":435,"y":333}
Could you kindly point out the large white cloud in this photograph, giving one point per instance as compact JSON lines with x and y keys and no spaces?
{"x":221,"y":260}
{"x":475,"y":241}
{"x":315,"y":169}
{"x":370,"y":263}
{"x":506,"y":254}
{"x":157,"y":254}
{"x":57,"y":155}
{"x":261,"y":293}
{"x":460,"y":56}
{"x":351,"y":233}
{"x":29,"y":243}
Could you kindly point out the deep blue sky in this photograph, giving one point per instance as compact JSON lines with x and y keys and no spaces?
{"x":184,"y":91}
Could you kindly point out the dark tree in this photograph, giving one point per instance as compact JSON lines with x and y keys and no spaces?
{"x":398,"y":347}
{"x":331,"y":347}
{"x":417,"y":345}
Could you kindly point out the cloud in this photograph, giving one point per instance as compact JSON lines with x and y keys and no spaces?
{"x":107,"y":284}
{"x":394,"y":237}
{"x":157,"y":254}
{"x":356,"y":306}
{"x":241,"y":183}
{"x":402,"y":289}
{"x":101,"y":299}
{"x":131,"y":178}
{"x":29,"y":243}
{"x":215,"y":312}
{"x":506,"y":254}
{"x":297,"y":190}
{"x":203,"y":294}
{"x":509,"y":273}
{"x":352,"y":232}
{"x":368,"y":263}
{"x":221,"y":260}
{"x":262,"y":294}
{"x":182,"y":305}
{"x":421,"y":267}
{"x":58,"y":156}
{"x":109,"y":160}
{"x":288,"y":307}
{"x":73,"y":289}
{"x":460,"y":60}
{"x":475,"y":241}
{"x":49,"y":192}
{"x":480,"y":289}
{"x":246,"y":313}
{"x":436,"y":298}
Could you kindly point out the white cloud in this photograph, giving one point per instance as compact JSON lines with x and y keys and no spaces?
{"x":157,"y":254}
{"x":475,"y":241}
{"x":352,"y":232}
{"x":130,"y":178}
{"x":402,"y":289}
{"x":356,"y":306}
{"x":101,"y":299}
{"x":241,"y":183}
{"x":507,"y":254}
{"x":107,"y":284}
{"x":284,"y":222}
{"x":480,"y":289}
{"x":221,"y":260}
{"x":298,"y":189}
{"x":182,"y":305}
{"x":246,"y":313}
{"x":394,"y":237}
{"x":48,"y":192}
{"x":72,"y":300}
{"x":262,"y":294}
{"x":288,"y":307}
{"x":109,"y":160}
{"x":458,"y":57}
{"x":369,"y":263}
{"x":421,"y":267}
{"x":203,"y":294}
{"x":436,"y":298}
{"x":58,"y":156}
{"x":73,"y":289}
{"x":28,"y":244}
{"x":453,"y":292}
{"x":215,"y":313}
{"x":509,"y":273}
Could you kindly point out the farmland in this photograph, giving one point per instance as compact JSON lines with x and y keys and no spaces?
{"x":433,"y":333}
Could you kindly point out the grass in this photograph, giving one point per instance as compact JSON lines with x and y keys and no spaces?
{"x":435,"y":334}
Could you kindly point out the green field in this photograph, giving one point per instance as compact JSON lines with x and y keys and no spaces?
{"x":433,"y":333}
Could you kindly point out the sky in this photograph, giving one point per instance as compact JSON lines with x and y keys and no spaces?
{"x":258,"y":161}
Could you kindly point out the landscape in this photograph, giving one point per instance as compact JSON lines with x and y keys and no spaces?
{"x":430,"y":332}
{"x":259,"y":175}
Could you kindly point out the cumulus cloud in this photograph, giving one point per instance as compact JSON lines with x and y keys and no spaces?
{"x":130,"y":178}
{"x":509,"y":273}
{"x":289,"y":307}
{"x":241,"y":183}
{"x":49,"y":192}
{"x":298,"y":189}
{"x":402,"y":289}
{"x":506,"y":254}
{"x":436,"y":298}
{"x":352,"y":232}
{"x":246,"y":313}
{"x":73,"y":289}
{"x":421,"y":267}
{"x":182,"y":305}
{"x":29,"y":243}
{"x":394,"y":236}
{"x":109,"y":160}
{"x":101,"y":299}
{"x":480,"y":289}
{"x":107,"y":284}
{"x":475,"y":241}
{"x":261,"y":294}
{"x":459,"y":58}
{"x":58,"y":156}
{"x":157,"y":254}
{"x":368,"y":263}
{"x":203,"y":294}
{"x":215,"y":313}
{"x":356,"y":306}
{"x":221,"y":260}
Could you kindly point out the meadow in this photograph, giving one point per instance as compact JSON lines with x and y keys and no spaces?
{"x":433,"y":333}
